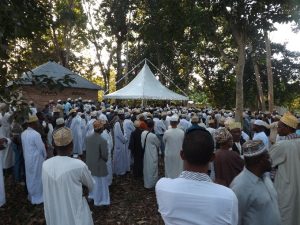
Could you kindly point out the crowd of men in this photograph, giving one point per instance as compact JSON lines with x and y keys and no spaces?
{"x":216,"y":170}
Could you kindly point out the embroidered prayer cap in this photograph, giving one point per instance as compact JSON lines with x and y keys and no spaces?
{"x":222,"y":120}
{"x":211,"y":121}
{"x":120,"y":111}
{"x":98,"y":124}
{"x":94,"y":113}
{"x":2,"y":106}
{"x":149,"y":115}
{"x":290,"y":120}
{"x":32,"y":119}
{"x":228,"y":121}
{"x":163,"y":113}
{"x":62,"y":136}
{"x":60,"y":121}
{"x":234,"y":125}
{"x":137,"y":123}
{"x":253,"y":148}
{"x":73,"y":111}
{"x":103,"y":121}
{"x":195,"y":119}
{"x":222,"y":135}
{"x":56,"y":110}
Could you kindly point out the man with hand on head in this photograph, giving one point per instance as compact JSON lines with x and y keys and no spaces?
{"x":63,"y":178}
{"x":193,"y":198}
{"x":285,"y":156}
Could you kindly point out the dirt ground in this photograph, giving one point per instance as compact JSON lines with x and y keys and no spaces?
{"x":131,"y":204}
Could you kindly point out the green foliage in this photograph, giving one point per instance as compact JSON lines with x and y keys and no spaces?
{"x":185,"y":39}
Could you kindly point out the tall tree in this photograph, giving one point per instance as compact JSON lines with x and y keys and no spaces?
{"x":269,"y":72}
{"x":19,"y":21}
{"x":115,"y":14}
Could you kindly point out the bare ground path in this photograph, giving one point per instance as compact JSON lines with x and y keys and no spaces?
{"x":131,"y":204}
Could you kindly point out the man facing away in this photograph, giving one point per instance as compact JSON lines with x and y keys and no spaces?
{"x":193,"y":198}
{"x":96,"y":158}
{"x":63,"y":178}
{"x":34,"y":155}
{"x":173,"y":139}
{"x":254,"y":189}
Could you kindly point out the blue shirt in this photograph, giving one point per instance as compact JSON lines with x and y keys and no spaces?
{"x":257,"y":199}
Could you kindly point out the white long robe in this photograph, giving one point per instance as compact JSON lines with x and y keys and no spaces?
{"x":34,"y":155}
{"x":107,"y":136}
{"x":120,"y":157}
{"x":128,"y":129}
{"x":7,"y":154}
{"x":150,"y":169}
{"x":100,"y":192}
{"x":2,"y":187}
{"x":83,"y":132}
{"x":173,"y":139}
{"x":90,"y":127}
{"x":64,"y":204}
{"x":78,"y":140}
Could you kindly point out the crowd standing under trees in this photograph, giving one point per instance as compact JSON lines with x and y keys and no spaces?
{"x":49,"y":148}
{"x":225,"y":44}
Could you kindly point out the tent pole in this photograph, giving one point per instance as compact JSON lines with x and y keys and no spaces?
{"x":166,"y":77}
{"x":127,"y":74}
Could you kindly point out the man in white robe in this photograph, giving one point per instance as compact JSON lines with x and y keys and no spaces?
{"x":285,"y":156}
{"x":89,"y":126}
{"x":63,"y":178}
{"x":183,"y":123}
{"x":8,"y":156}
{"x":159,"y":130}
{"x":120,"y":156}
{"x":128,"y":129}
{"x":107,"y":136}
{"x":76,"y":127}
{"x":4,"y":142}
{"x":150,"y":144}
{"x":34,"y":155}
{"x":259,"y":128}
{"x":173,"y":139}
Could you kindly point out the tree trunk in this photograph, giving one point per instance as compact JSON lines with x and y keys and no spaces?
{"x":239,"y":69}
{"x":119,"y":63}
{"x":269,"y":72}
{"x":258,"y":84}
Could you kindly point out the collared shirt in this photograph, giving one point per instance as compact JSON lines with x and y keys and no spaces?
{"x":191,"y":198}
{"x":257,"y":199}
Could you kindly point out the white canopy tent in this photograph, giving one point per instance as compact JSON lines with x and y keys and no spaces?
{"x":145,"y":86}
